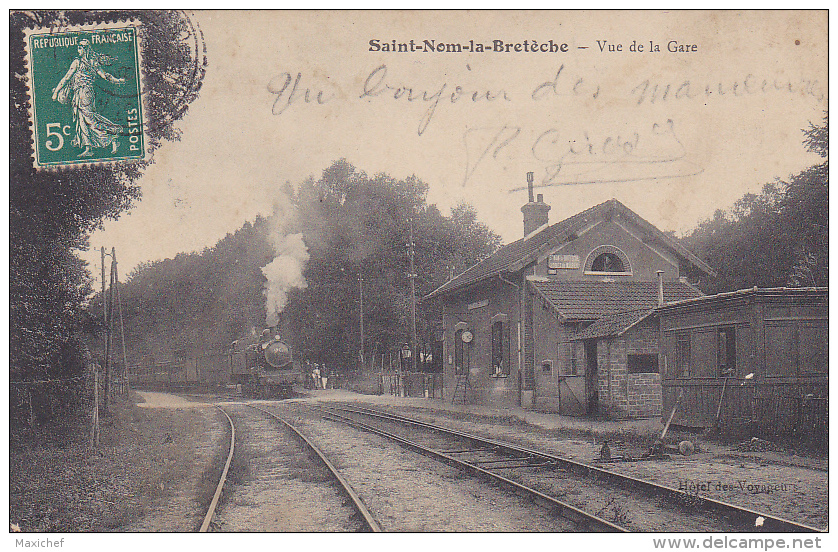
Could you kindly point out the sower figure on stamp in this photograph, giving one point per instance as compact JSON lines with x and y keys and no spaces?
{"x":92,"y":129}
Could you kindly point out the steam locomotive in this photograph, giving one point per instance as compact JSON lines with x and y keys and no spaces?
{"x":265,"y":368}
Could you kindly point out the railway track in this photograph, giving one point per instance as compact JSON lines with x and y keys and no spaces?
{"x":367,"y":520}
{"x":205,"y":525}
{"x":582,"y":520}
{"x":359,"y":506}
{"x":488,"y":457}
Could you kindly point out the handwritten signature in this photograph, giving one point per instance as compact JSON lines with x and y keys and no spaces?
{"x":652,"y":152}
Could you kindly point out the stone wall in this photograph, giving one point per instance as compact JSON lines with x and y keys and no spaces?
{"x":625,"y":395}
{"x":644,"y":395}
{"x":475,"y":311}
{"x":367,"y":383}
{"x":644,"y":390}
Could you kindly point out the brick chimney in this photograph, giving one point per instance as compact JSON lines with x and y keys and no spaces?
{"x":536,"y":212}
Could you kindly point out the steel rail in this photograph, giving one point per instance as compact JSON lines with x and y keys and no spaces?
{"x":745,"y":517}
{"x":359,"y":505}
{"x":214,"y":503}
{"x":581,"y":518}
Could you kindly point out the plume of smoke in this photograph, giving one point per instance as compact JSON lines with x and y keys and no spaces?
{"x":283,"y":273}
{"x":286,"y":270}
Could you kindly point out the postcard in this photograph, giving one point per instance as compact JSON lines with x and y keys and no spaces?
{"x":419,"y":271}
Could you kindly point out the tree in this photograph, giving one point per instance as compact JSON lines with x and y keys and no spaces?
{"x":197,"y":303}
{"x":805,"y":212}
{"x":52,"y":213}
{"x":358,"y":225}
{"x":777,"y":238}
{"x":352,"y":225}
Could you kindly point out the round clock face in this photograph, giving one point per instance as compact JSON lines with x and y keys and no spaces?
{"x":467,"y":337}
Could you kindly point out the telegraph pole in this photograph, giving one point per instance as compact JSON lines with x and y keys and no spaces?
{"x":361,"y":295}
{"x":107,"y":331}
{"x":412,"y":275}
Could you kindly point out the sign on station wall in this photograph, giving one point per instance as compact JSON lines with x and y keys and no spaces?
{"x":563,"y":261}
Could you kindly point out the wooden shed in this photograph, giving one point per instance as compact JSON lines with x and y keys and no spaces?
{"x":754,"y":358}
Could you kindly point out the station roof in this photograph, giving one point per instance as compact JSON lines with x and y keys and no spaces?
{"x":614,"y":324}
{"x":815,"y":293}
{"x":518,"y":254}
{"x":591,"y":300}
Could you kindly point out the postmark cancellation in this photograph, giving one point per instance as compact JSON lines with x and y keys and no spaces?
{"x":85,"y":94}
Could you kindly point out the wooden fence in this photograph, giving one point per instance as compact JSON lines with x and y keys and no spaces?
{"x":411,"y":384}
{"x":801,"y":418}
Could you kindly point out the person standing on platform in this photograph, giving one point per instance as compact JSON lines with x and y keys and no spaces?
{"x":307,"y":374}
{"x":324,"y":375}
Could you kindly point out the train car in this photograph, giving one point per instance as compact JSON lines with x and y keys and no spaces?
{"x":265,"y":368}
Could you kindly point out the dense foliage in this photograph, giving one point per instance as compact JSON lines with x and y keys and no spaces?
{"x":359,"y":226}
{"x":351,"y":223}
{"x":196,"y":302}
{"x":777,"y":238}
{"x":53,"y":212}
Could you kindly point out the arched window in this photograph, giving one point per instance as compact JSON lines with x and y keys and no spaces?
{"x":608,"y":262}
{"x":607,"y":259}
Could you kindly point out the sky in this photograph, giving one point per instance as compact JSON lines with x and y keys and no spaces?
{"x":674,"y":135}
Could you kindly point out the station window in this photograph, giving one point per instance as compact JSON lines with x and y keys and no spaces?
{"x":727,"y":352}
{"x":500,"y":349}
{"x":781,"y":348}
{"x":574,"y":360}
{"x":682,"y":355}
{"x":642,"y":364}
{"x":608,"y":262}
{"x":546,"y":366}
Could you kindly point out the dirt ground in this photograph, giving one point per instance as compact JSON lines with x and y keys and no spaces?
{"x":782,"y":485}
{"x":159,"y":461}
{"x":276,"y":485}
{"x":146,"y":475}
{"x":406,"y":491}
{"x":199,"y":432}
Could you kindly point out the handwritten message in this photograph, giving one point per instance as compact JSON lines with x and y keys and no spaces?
{"x":641,"y":147}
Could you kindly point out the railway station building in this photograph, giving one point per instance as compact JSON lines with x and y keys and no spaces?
{"x":511,"y":322}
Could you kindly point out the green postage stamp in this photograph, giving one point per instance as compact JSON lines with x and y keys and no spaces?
{"x":85,"y":94}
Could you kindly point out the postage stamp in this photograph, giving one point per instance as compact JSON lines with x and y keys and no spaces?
{"x":85,"y":86}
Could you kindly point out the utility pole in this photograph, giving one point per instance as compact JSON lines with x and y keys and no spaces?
{"x":361,"y":295}
{"x":412,"y":275}
{"x":109,"y":333}
{"x":107,"y":330}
